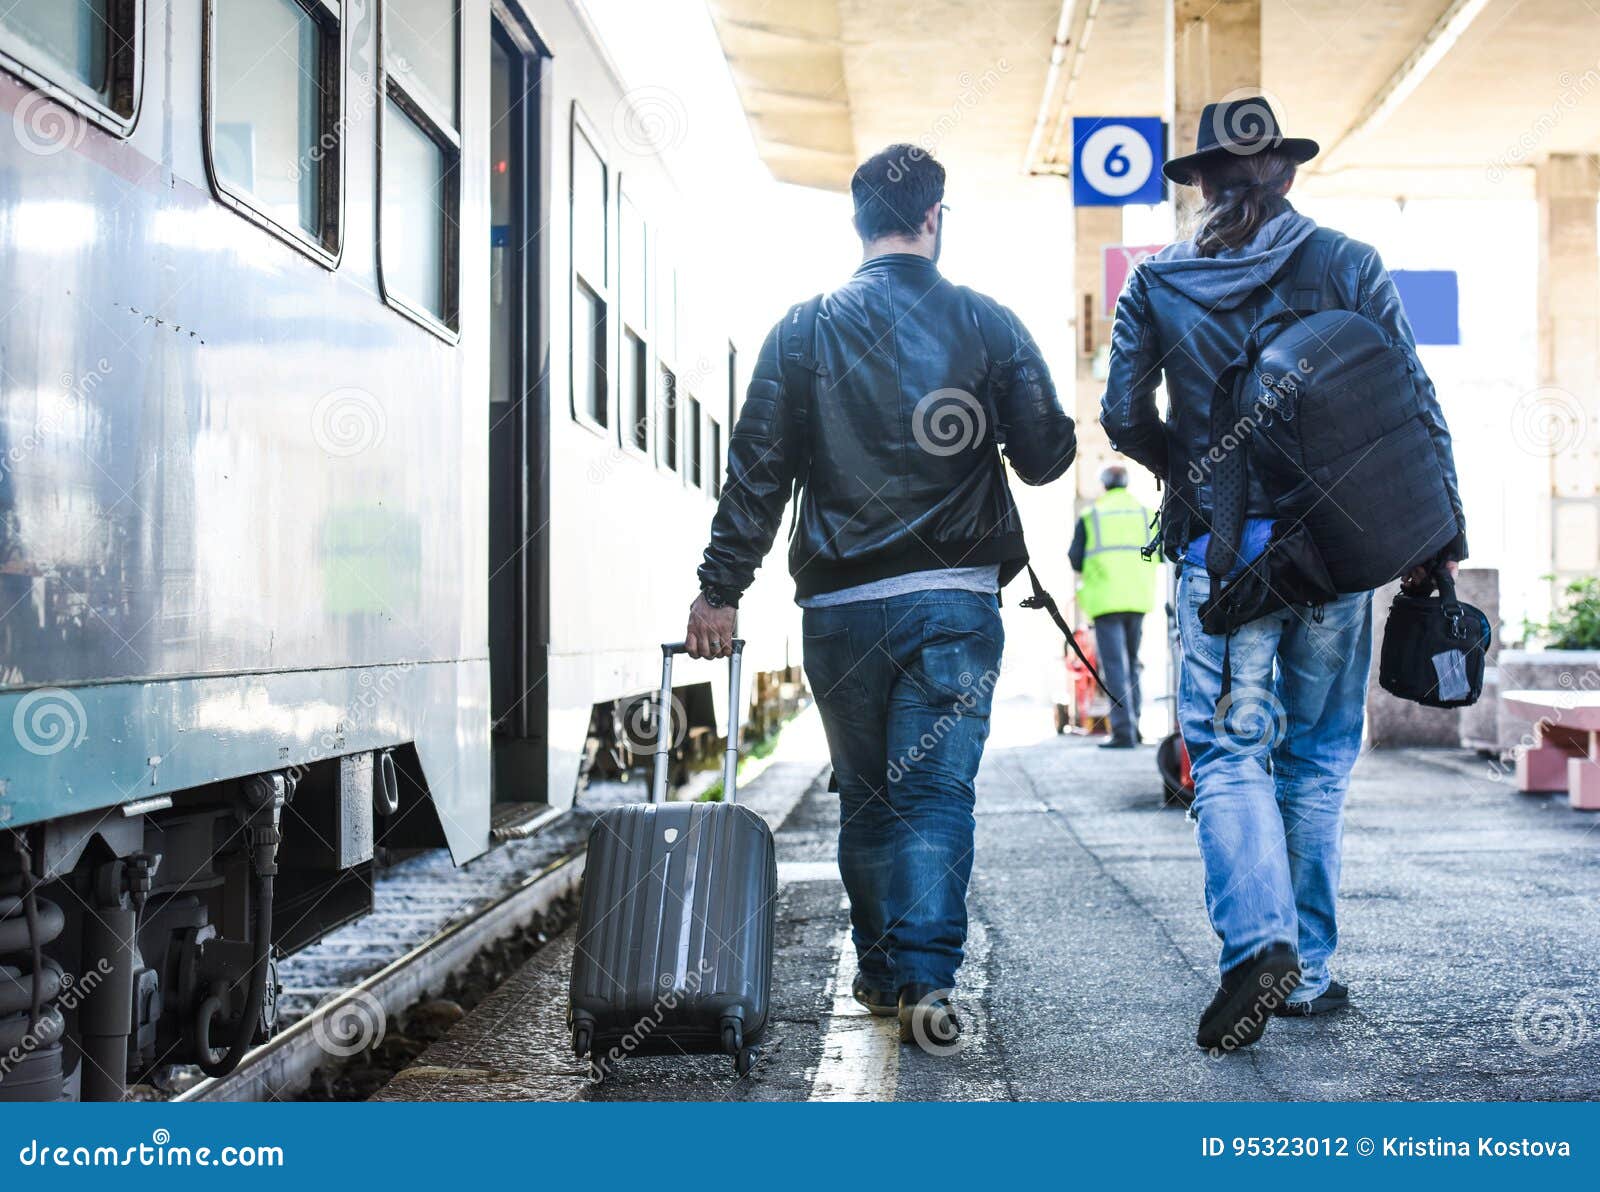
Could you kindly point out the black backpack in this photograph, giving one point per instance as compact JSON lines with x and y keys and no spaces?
{"x":1330,"y":413}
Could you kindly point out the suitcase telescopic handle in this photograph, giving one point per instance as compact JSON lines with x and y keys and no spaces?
{"x":730,"y":759}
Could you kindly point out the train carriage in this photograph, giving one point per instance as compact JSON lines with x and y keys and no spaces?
{"x":358,"y":433}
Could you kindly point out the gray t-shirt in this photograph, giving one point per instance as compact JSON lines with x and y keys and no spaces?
{"x":985,"y":579}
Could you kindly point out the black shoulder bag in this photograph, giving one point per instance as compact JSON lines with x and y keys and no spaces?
{"x":1434,"y":647}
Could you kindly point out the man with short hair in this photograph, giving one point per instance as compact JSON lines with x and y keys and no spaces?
{"x":885,"y":405}
{"x":1115,"y":590}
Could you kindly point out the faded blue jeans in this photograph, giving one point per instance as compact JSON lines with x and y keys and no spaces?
{"x":1271,"y":768}
{"x":904,"y":685}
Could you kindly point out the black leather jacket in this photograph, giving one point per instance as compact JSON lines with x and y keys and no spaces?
{"x":917,"y":381}
{"x":1162,"y":331}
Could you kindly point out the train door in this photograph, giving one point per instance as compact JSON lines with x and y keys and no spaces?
{"x":518,"y":420}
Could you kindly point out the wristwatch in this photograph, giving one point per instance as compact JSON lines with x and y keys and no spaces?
{"x":720,"y":598}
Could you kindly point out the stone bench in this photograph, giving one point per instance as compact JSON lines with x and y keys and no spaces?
{"x":1565,"y":754}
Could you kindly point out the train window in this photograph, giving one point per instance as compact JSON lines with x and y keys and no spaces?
{"x":85,"y":53}
{"x":715,"y":457}
{"x":636,"y":390}
{"x":693,"y":432}
{"x":422,"y":40}
{"x":419,"y":162}
{"x":273,"y":117}
{"x":667,"y":422}
{"x":589,"y":341}
{"x":414,"y":201}
{"x":635,"y":281}
{"x":591,"y":294}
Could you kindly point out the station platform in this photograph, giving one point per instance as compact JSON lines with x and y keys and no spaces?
{"x":1471,"y":945}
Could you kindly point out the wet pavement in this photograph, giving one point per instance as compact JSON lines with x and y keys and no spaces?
{"x":1470,"y":940}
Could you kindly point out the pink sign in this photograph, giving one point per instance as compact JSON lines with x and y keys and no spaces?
{"x":1119,"y":260}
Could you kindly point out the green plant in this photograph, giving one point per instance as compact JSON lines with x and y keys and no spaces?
{"x":1575,"y":624}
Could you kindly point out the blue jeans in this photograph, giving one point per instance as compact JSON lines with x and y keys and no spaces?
{"x":1271,"y":769}
{"x":904,"y":685}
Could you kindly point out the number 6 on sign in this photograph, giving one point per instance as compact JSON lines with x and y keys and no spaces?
{"x":1116,"y":160}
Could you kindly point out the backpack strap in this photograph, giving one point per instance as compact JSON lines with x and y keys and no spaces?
{"x":798,"y":365}
{"x":1309,"y":291}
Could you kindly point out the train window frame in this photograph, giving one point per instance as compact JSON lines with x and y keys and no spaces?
{"x":716,"y":448}
{"x":327,"y":251}
{"x":124,"y":73}
{"x":600,"y":287}
{"x":669,"y":437}
{"x":694,"y":446}
{"x":447,"y":132}
{"x":634,"y":334}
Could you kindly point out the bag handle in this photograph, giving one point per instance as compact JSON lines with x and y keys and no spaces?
{"x":730,"y":758}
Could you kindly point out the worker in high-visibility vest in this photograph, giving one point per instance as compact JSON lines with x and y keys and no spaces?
{"x":1116,"y":588}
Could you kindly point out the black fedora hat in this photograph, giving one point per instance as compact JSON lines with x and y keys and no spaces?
{"x":1237,"y":128}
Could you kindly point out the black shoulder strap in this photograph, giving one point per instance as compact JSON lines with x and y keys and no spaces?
{"x":1309,"y":290}
{"x":1043,"y":599}
{"x":797,"y":362}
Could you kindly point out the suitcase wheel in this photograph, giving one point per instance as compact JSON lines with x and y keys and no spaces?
{"x":745,"y":1059}
{"x":597,"y":1072}
{"x":732,"y":1036}
{"x":581,"y":1040}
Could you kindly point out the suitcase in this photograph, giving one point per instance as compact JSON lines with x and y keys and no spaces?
{"x":674,"y":946}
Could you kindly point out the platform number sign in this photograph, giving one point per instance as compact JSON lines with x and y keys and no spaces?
{"x":1117,"y":160}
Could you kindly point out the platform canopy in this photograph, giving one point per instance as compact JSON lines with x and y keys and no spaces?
{"x":1424,"y":98}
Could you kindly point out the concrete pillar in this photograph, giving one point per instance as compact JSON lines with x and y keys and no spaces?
{"x":1562,"y":417}
{"x":1093,"y":229}
{"x":1215,"y":52}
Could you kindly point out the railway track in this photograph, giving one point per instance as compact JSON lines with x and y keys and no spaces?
{"x":350,"y":1020}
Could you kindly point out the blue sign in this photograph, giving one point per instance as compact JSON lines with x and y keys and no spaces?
{"x":1116,"y":160}
{"x":1432,"y":301}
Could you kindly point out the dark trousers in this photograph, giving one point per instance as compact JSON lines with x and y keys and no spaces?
{"x":1116,"y":640}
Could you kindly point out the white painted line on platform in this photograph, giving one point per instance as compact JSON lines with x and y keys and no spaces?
{"x":860,"y":1053}
{"x":808,"y":871}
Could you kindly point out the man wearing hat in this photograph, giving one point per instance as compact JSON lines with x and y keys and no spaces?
{"x":1272,"y":753}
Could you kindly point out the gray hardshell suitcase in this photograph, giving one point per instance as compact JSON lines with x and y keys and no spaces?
{"x":674,"y":947}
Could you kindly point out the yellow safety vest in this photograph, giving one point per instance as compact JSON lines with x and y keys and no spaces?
{"x":1116,"y":577}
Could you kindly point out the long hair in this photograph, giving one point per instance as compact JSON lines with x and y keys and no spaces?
{"x":1246,"y":191}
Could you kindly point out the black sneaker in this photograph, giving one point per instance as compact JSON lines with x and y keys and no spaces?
{"x":1335,"y":997}
{"x":877,"y":1001}
{"x":1113,"y":743}
{"x":929,"y":1020}
{"x":1250,"y":993}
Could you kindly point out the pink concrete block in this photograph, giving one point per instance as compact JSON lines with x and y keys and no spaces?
{"x":1583,"y":784}
{"x":1544,"y":767}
